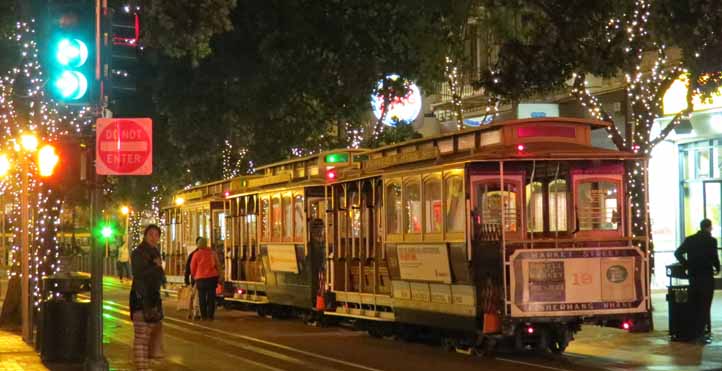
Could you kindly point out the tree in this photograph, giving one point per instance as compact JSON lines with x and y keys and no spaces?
{"x":288,"y":71}
{"x":544,"y":44}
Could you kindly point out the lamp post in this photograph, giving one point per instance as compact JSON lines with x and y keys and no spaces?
{"x":26,"y":147}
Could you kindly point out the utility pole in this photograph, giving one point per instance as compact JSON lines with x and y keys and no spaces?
{"x":95,"y":360}
{"x":25,"y":307}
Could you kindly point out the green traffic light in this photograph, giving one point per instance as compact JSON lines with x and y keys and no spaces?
{"x":72,"y":52}
{"x":71,"y":85}
{"x":106,"y":232}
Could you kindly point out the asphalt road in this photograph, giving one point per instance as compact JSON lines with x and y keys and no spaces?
{"x":239,"y":340}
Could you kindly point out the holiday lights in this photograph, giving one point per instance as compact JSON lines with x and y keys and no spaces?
{"x":24,"y":109}
{"x":452,"y":76}
{"x":645,"y":91}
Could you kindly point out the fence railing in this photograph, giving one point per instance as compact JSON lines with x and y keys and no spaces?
{"x":81,"y":263}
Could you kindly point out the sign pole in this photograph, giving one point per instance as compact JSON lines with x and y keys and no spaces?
{"x":95,"y":360}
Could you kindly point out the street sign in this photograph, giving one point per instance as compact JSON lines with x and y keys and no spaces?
{"x":124,"y":146}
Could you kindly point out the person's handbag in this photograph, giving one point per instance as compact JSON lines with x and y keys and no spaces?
{"x":185,"y":298}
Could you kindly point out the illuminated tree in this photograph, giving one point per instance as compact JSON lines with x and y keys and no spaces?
{"x":545,"y":44}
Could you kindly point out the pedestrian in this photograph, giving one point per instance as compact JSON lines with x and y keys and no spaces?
{"x":698,"y":255}
{"x":188,"y":278}
{"x":123,"y":260}
{"x":189,"y":281}
{"x":205,"y":270}
{"x":145,"y":301}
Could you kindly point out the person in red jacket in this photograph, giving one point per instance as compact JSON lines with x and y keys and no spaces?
{"x":205,"y":269}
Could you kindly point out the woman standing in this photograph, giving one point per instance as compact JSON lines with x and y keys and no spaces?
{"x":146,"y":307}
{"x":205,"y":270}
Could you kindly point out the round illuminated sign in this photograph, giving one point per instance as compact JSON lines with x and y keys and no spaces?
{"x":405,"y":108}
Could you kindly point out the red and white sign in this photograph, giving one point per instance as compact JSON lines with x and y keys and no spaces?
{"x":124,"y":146}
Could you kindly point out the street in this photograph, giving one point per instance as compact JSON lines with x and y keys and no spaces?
{"x":243,"y":340}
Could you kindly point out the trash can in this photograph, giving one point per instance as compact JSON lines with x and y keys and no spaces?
{"x":680,"y":310}
{"x":63,"y":320}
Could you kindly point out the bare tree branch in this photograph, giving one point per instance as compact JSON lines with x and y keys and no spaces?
{"x":675,"y":121}
{"x":579,"y":91}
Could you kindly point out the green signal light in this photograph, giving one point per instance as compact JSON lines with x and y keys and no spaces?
{"x":334,"y":158}
{"x":72,"y":85}
{"x":106,"y":232}
{"x":72,"y":52}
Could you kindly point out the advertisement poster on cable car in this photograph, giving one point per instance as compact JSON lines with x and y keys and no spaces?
{"x":424,"y":263}
{"x":282,"y":258}
{"x":559,"y":282}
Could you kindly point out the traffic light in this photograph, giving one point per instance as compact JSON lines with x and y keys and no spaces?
{"x":47,"y":160}
{"x":69,"y":49}
{"x":105,"y":232}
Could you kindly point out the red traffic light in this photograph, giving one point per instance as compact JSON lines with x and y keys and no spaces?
{"x":47,"y":160}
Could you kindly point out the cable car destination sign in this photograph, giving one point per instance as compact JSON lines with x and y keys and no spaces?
{"x":124,"y":146}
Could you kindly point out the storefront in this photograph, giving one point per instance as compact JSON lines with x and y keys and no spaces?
{"x":685,"y":179}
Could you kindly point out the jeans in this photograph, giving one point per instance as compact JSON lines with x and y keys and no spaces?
{"x":124,"y":267}
{"x":207,"y":296}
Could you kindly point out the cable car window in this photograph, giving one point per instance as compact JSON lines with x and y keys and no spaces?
{"x":492,"y":201}
{"x":558,"y":205}
{"x":287,"y":218}
{"x":454,"y":204}
{"x":432,"y":205}
{"x":265,"y":220}
{"x":276,"y":218}
{"x":393,"y":208}
{"x":597,"y":205}
{"x":535,"y":207}
{"x":299,"y":219}
{"x":412,"y":207}
{"x":355,"y":214}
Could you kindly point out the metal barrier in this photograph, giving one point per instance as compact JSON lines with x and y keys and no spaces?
{"x":81,"y":263}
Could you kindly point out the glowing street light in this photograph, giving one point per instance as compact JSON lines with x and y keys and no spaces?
{"x":4,"y":165}
{"x":29,"y":142}
{"x":124,"y":210}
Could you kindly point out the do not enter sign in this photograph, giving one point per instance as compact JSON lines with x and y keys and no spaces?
{"x":124,"y":146}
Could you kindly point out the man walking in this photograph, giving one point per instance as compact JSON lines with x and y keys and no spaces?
{"x":702,"y":263}
{"x":123,"y":260}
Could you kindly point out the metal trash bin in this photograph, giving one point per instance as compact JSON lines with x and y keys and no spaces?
{"x":680,"y":311}
{"x":63,"y":321}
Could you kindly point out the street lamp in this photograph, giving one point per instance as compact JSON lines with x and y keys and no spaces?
{"x":47,"y":159}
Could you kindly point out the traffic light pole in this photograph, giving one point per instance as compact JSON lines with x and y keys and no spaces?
{"x":95,"y":360}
